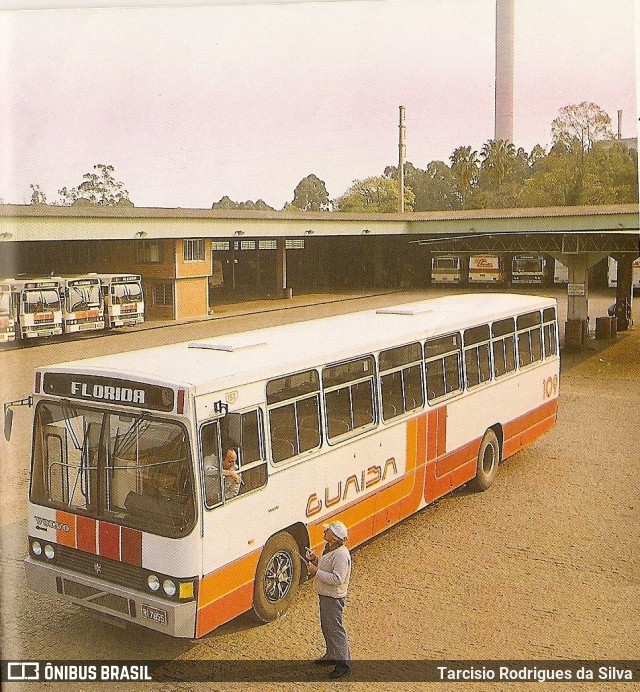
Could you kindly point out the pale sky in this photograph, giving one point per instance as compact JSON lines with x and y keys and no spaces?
{"x":195,"y":102}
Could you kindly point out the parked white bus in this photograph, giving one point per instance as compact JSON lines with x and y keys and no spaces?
{"x":446,"y":269}
{"x":38,"y":306}
{"x":365,"y":418}
{"x":7,"y":313}
{"x":528,"y":269}
{"x":612,"y":273}
{"x":123,"y":298}
{"x":485,"y":269}
{"x":83,"y":304}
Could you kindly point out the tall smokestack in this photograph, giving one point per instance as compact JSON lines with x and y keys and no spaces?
{"x":504,"y":70}
{"x":401,"y":156}
{"x":619,"y":124}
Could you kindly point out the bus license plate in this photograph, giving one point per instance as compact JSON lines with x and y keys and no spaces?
{"x":154,"y":614}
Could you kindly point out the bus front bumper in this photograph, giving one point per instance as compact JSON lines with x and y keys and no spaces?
{"x":172,"y":618}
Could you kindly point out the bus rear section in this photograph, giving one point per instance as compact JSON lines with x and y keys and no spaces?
{"x":446,"y":269}
{"x":39,"y":307}
{"x":528,"y":269}
{"x":7,"y":313}
{"x":485,"y":269}
{"x":123,"y":298}
{"x":83,"y":304}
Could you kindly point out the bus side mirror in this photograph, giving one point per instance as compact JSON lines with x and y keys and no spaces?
{"x":8,"y":422}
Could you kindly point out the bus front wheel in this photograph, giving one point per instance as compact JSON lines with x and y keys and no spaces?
{"x":488,"y":460}
{"x":277,"y":577}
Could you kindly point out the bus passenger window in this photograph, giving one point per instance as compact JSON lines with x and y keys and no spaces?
{"x":476,"y":355}
{"x":529,"y":338}
{"x":349,"y":396}
{"x":503,"y":346}
{"x":294,"y":414}
{"x":442,"y":362}
{"x":550,"y":339}
{"x":401,"y":380}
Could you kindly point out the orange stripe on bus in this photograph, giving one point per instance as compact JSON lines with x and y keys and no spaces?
{"x":109,"y":540}
{"x":224,"y":609}
{"x":87,"y":534}
{"x":222,"y":581}
{"x":63,"y":537}
{"x":131,"y":546}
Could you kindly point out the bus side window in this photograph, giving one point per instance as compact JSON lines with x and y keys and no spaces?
{"x":401,"y":380}
{"x":442,"y":362}
{"x":476,"y":355}
{"x":349,"y":396}
{"x":252,"y":460}
{"x":503,"y":346}
{"x":529,"y":338}
{"x":550,"y":340}
{"x":293,"y":405}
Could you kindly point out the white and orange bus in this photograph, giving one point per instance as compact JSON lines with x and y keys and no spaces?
{"x":446,"y":269}
{"x":365,"y":418}
{"x":123,"y":299}
{"x":486,"y":269}
{"x":38,"y":305}
{"x":82,"y":304}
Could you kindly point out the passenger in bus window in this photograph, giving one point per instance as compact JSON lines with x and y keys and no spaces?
{"x":231,"y":475}
{"x":232,"y":479}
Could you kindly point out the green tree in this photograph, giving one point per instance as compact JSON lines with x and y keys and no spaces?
{"x":374,"y":195}
{"x":464,"y":166}
{"x":99,"y":188}
{"x":498,"y":156}
{"x":580,"y":126}
{"x":37,"y":196}
{"x":311,"y":195}
{"x":227,"y":203}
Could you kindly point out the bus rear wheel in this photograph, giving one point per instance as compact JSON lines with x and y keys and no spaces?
{"x":488,"y":460}
{"x":277,"y":577}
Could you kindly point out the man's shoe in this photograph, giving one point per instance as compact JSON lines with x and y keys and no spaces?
{"x":338,"y":673}
{"x":325,"y":661}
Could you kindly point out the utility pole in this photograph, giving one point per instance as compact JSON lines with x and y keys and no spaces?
{"x":401,"y":157}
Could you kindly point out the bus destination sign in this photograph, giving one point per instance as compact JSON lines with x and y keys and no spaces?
{"x":108,"y":389}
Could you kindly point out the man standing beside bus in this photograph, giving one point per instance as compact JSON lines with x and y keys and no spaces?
{"x":332,"y":571}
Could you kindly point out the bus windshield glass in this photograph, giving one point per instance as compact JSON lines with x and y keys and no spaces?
{"x":133,"y":470}
{"x":44,"y":300}
{"x":83,"y":296}
{"x":531,"y":264}
{"x":126,"y":293}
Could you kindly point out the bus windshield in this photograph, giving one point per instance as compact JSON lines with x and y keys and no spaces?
{"x":126,"y":293}
{"x":527,"y":264}
{"x":133,"y":470}
{"x":41,"y":300}
{"x":84,"y":296}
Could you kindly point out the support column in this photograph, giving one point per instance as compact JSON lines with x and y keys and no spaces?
{"x":577,"y":325}
{"x":281,"y":269}
{"x":624,"y":289}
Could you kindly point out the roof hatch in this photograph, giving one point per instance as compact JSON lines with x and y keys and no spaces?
{"x":231,"y":345}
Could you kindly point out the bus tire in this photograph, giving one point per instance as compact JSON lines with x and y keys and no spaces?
{"x":277,"y":577}
{"x":488,"y":461}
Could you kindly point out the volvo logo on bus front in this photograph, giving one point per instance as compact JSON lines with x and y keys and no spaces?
{"x":107,"y":393}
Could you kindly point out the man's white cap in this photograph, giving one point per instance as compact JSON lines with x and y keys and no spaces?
{"x":338,"y":529}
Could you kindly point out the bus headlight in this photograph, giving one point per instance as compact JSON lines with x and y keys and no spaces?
{"x":153,"y":582}
{"x":169,"y":587}
{"x":49,"y":552}
{"x":36,"y":548}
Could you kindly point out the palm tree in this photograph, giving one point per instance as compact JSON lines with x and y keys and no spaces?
{"x":498,"y":156}
{"x":464,"y":166}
